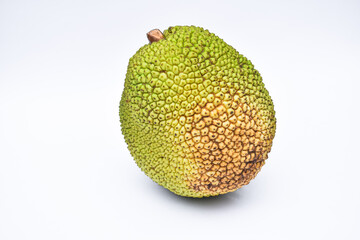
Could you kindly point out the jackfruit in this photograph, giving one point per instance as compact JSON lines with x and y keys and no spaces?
{"x":195,"y":114}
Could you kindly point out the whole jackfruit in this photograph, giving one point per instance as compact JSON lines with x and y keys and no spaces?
{"x":195,"y":113}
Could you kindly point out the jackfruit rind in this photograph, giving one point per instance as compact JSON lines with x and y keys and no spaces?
{"x":195,"y":114}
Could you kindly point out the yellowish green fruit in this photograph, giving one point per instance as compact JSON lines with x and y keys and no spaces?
{"x":195,"y":113}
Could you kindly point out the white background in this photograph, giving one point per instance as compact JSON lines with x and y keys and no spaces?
{"x":66,"y":173}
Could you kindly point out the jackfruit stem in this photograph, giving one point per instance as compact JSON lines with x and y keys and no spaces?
{"x":155,"y":35}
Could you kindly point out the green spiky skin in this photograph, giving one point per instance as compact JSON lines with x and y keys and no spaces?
{"x":195,"y":114}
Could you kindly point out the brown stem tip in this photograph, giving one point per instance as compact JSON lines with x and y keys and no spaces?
{"x":155,"y":35}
